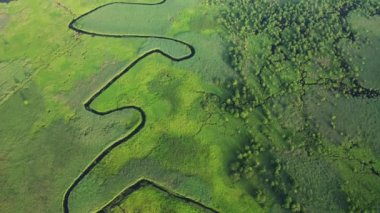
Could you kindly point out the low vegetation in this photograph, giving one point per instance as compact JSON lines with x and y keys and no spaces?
{"x":276,"y":108}
{"x":281,"y":51}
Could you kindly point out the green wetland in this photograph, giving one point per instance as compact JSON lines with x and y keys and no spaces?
{"x":189,"y":106}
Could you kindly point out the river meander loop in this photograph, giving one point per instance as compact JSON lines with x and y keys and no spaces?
{"x":87,"y":104}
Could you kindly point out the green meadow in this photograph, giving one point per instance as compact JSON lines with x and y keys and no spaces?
{"x":222,"y":105}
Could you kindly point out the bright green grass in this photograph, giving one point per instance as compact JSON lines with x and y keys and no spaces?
{"x":157,"y":200}
{"x":151,"y":199}
{"x":175,"y":49}
{"x":177,"y":127}
{"x":164,"y":150}
{"x":130,"y":19}
{"x":47,"y":138}
{"x":4,"y":19}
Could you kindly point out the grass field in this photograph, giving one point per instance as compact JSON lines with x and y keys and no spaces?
{"x":188,"y":106}
{"x":136,"y":196}
{"x":170,"y":93}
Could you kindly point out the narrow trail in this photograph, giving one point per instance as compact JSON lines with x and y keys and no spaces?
{"x":143,"y":116}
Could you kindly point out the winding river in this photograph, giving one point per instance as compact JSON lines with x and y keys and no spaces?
{"x":140,"y":126}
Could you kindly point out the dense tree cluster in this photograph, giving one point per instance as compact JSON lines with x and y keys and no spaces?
{"x":299,"y":44}
{"x":257,"y":159}
{"x":283,"y":47}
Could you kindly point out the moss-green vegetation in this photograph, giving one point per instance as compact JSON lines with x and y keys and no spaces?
{"x":121,"y":18}
{"x":146,"y":196}
{"x":69,"y":68}
{"x":277,"y":111}
{"x":150,"y":199}
{"x":290,"y":58}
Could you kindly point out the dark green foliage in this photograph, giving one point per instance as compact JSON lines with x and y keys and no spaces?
{"x":279,"y":50}
{"x":302,"y":48}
